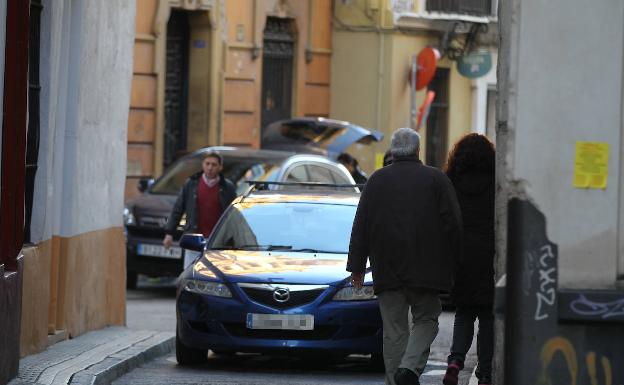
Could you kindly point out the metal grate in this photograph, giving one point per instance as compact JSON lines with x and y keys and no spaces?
{"x":297,"y":298}
{"x":470,"y":7}
{"x":277,"y":70}
{"x":176,"y":86}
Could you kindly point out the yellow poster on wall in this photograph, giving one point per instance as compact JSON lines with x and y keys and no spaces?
{"x":591,"y":165}
{"x":379,"y":160}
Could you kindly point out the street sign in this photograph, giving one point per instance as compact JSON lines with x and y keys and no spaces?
{"x":423,"y":112}
{"x":426,"y":63}
{"x":475,"y":64}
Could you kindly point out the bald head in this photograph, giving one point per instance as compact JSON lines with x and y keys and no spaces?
{"x":405,"y":142}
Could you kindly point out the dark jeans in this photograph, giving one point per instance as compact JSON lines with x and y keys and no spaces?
{"x":463,"y":330}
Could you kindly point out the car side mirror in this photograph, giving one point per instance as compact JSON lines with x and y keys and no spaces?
{"x":195,"y":242}
{"x":144,"y":184}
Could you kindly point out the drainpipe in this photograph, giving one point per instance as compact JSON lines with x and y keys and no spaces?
{"x":380,"y":66}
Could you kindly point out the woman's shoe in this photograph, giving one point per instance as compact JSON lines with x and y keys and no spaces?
{"x":452,"y":374}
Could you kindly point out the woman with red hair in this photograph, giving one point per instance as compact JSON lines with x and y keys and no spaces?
{"x":470,"y":168}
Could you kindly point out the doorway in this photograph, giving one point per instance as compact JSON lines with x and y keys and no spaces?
{"x":176,"y":86}
{"x":277,"y":70}
{"x":437,"y":122}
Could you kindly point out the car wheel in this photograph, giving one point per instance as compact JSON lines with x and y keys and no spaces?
{"x":189,"y":356}
{"x":131,"y":279}
{"x":377,"y":362}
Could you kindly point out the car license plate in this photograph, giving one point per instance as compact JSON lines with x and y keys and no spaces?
{"x":159,"y":251}
{"x":280,"y":321}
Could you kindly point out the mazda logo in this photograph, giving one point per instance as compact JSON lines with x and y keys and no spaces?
{"x":281,"y":294}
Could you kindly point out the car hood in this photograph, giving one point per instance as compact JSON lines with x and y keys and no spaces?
{"x":160,"y":204}
{"x":272,"y":267}
{"x":333,"y":136}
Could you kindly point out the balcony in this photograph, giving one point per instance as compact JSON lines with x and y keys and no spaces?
{"x":461,"y":7}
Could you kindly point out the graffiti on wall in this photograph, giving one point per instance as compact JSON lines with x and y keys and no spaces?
{"x":561,"y":345}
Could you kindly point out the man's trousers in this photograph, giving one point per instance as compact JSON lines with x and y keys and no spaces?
{"x":405,"y":345}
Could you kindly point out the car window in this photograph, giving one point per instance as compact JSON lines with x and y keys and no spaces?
{"x":286,"y":226}
{"x":174,"y":177}
{"x":340,"y":177}
{"x":238,"y":170}
{"x":297,"y":174}
{"x":319,"y":174}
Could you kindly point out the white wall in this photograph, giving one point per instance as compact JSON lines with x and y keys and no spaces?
{"x":480,"y":88}
{"x":565,"y":86}
{"x":86,"y":70}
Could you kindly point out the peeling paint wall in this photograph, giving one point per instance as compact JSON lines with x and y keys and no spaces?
{"x":560,"y":79}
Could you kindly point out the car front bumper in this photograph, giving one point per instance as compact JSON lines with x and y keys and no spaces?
{"x":220,"y":324}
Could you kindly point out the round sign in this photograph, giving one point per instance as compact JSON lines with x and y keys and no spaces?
{"x":474,"y":64}
{"x":427,"y":62}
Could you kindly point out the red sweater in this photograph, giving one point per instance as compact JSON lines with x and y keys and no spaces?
{"x":208,"y":207}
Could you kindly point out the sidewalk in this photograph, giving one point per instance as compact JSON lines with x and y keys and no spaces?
{"x":97,"y":357}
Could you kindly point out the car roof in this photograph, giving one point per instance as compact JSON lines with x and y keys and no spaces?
{"x":331,"y":197}
{"x":244,"y":152}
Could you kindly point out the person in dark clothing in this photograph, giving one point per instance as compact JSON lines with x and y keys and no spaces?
{"x":204,"y":197}
{"x":470,"y":168}
{"x":387,"y":159}
{"x":353,"y":167}
{"x":408,"y":225}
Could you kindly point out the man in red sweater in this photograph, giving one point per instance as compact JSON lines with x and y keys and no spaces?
{"x":203,"y":198}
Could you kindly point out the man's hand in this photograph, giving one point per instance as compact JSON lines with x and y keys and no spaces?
{"x":357,"y":280}
{"x":168,"y":241}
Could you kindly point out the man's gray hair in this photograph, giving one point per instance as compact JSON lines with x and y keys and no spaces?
{"x":405,"y":142}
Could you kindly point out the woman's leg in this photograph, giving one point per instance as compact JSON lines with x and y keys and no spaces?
{"x":485,"y":345}
{"x":463,"y":331}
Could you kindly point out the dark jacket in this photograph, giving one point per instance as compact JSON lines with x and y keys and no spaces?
{"x":474,"y":285}
{"x":187,"y":203}
{"x":409,"y":225}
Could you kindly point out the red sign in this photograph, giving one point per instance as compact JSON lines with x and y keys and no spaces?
{"x":427,"y":62}
{"x":423,"y":111}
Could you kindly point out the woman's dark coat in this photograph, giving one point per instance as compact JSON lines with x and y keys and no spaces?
{"x":408,"y":224}
{"x":474,"y":284}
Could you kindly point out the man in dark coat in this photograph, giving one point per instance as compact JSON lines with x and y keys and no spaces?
{"x":408,"y":224}
{"x":203,"y":198}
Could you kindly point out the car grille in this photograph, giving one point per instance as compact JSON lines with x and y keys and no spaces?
{"x":297,"y":298}
{"x":323,"y":332}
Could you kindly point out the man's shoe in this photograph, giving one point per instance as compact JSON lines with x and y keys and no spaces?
{"x":452,"y":374}
{"x":404,"y":376}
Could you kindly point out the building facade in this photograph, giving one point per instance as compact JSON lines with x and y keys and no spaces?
{"x":373,"y":44}
{"x":66,"y":96}
{"x":210,"y":72}
{"x":560,"y":201}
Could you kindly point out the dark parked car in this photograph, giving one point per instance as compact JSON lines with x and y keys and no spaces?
{"x":290,"y":140}
{"x":146,"y":215}
{"x":272,"y":279}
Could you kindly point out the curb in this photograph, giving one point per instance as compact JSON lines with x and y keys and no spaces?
{"x":124,"y":362}
{"x":97,"y":357}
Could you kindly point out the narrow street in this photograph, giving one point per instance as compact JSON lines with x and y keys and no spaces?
{"x":152,"y":307}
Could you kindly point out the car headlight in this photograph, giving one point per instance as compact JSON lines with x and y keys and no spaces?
{"x":350,"y":293}
{"x":205,"y":287}
{"x":128,"y":217}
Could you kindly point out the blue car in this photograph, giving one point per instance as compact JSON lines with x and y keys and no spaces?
{"x":271,"y":278}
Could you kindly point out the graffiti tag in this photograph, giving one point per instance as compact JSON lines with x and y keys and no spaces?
{"x":583,"y":306}
{"x":546,"y":293}
{"x":564,"y":346}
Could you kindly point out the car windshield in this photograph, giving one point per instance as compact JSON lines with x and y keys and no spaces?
{"x":296,"y":227}
{"x":238,"y":170}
